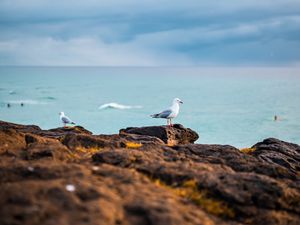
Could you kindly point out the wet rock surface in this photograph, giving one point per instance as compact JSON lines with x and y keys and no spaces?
{"x":70,"y":176}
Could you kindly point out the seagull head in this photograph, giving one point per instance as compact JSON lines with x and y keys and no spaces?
{"x":177,"y":100}
{"x":61,"y":113}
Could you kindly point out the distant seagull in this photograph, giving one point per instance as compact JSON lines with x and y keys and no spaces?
{"x":66,"y":120}
{"x":170,"y":113}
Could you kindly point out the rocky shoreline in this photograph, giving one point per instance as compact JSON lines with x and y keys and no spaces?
{"x":148,"y":175}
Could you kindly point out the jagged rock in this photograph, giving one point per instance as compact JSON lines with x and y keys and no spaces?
{"x":74,"y":141}
{"x":254,"y":194}
{"x":40,"y":147}
{"x":234,"y":158}
{"x":20,"y":128}
{"x":11,"y":141}
{"x":52,"y":133}
{"x":70,"y":176}
{"x":177,"y":134}
{"x":70,"y":130}
{"x":283,"y":154}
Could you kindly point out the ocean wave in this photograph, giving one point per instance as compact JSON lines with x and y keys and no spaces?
{"x":49,"y":98}
{"x":113,"y":105}
{"x":12,"y":92}
{"x":26,"y":102}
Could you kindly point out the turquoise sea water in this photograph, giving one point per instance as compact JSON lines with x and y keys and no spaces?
{"x":224,"y":105}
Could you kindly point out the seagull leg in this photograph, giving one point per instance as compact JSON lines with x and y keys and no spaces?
{"x":169,"y":122}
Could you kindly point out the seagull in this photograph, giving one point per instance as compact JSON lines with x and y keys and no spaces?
{"x":66,"y":120}
{"x":169,"y":113}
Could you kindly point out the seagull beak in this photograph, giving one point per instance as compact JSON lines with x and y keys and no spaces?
{"x":181,"y":102}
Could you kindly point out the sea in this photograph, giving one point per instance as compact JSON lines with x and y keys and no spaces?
{"x":224,"y":105}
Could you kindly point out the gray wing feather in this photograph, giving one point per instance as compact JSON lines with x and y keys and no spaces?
{"x":163,"y":114}
{"x":66,"y":119}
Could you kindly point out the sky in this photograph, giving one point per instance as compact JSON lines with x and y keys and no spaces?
{"x":150,"y":33}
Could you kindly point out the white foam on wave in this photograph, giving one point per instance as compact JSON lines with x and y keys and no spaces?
{"x":113,"y":105}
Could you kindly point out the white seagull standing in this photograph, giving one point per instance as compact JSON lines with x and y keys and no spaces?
{"x":169,"y":113}
{"x":66,"y":120}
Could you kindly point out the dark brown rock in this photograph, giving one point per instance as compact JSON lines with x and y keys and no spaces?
{"x":283,"y":154}
{"x":75,"y":141}
{"x":52,"y":133}
{"x":254,"y":190}
{"x":11,"y":141}
{"x":234,"y":158}
{"x":70,"y":176}
{"x":20,"y":128}
{"x":70,"y":130}
{"x":174,"y":135}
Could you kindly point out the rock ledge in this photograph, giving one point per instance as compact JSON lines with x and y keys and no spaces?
{"x":148,"y":175}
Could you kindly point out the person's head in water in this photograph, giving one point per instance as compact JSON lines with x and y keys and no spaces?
{"x":22,"y":104}
{"x":275,"y":118}
{"x":8,"y":105}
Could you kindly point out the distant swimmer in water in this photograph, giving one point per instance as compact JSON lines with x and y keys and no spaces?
{"x":276,"y":118}
{"x":22,"y":104}
{"x":8,"y":105}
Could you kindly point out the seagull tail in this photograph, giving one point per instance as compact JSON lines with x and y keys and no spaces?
{"x":73,"y":123}
{"x":155,"y":115}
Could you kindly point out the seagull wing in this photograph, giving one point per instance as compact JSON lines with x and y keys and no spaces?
{"x":66,"y":119}
{"x":164,"y":114}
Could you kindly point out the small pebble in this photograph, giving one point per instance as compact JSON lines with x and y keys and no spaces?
{"x":31,"y":169}
{"x":70,"y":187}
{"x":95,"y":168}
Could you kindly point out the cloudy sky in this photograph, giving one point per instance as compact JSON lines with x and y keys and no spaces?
{"x":150,"y":33}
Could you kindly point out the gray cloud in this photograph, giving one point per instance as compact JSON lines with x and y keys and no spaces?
{"x":132,"y":32}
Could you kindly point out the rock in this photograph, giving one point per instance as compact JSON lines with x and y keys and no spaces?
{"x":75,"y":141}
{"x":174,"y":135}
{"x":233,"y":180}
{"x":70,"y":130}
{"x":70,"y":176}
{"x":143,"y":139}
{"x":40,"y":147}
{"x":283,"y":154}
{"x":52,"y":133}
{"x":20,"y":128}
{"x":235,"y":159}
{"x":11,"y":141}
